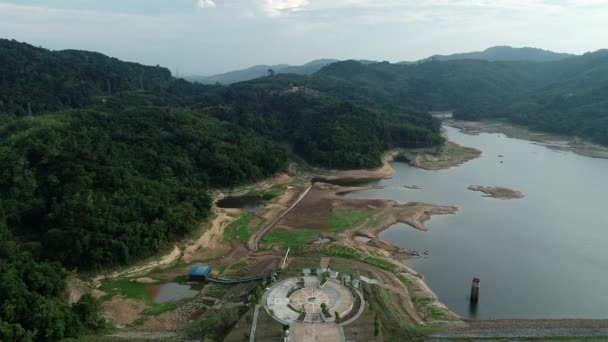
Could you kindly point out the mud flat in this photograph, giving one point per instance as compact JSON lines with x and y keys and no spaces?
{"x":497,"y":192}
{"x":412,"y":187}
{"x":437,"y":158}
{"x":441,"y":158}
{"x":324,"y":200}
{"x":355,"y":176}
{"x":552,"y":141}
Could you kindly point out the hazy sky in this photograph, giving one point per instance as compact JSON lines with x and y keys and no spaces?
{"x":210,"y":36}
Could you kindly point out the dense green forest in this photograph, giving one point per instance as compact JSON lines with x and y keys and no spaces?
{"x":103,"y":162}
{"x":565,"y":96}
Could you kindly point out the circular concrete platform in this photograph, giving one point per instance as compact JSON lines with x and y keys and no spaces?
{"x":311,"y":299}
{"x":285,"y":299}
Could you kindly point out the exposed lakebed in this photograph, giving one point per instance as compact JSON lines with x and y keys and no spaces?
{"x":541,"y":256}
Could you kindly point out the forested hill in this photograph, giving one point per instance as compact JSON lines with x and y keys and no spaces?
{"x":262,"y":70}
{"x":103,"y":162}
{"x":566,"y":96}
{"x":506,"y":53}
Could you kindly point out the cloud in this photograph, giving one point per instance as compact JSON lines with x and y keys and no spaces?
{"x":206,"y":4}
{"x":276,"y":8}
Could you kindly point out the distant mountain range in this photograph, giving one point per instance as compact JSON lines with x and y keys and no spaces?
{"x":496,"y":53}
{"x":505,"y":53}
{"x":262,"y":70}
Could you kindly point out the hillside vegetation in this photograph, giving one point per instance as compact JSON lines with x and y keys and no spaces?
{"x":103,"y":162}
{"x":566,"y":96}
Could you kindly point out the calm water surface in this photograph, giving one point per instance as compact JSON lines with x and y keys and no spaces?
{"x":543,"y":256}
{"x":172,"y":292}
{"x":245,"y":202}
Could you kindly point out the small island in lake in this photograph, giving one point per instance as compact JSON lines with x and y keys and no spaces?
{"x":497,"y":192}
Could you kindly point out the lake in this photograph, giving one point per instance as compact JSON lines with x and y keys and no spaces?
{"x":543,"y":256}
{"x":251,"y":203}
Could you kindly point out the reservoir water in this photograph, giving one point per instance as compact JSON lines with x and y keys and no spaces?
{"x":543,"y":256}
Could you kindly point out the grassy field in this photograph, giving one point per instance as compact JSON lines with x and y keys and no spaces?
{"x":344,"y":220}
{"x":126,"y":288}
{"x":422,"y":305}
{"x":243,"y":228}
{"x":296,"y":238}
{"x":299,"y":238}
{"x":239,"y":228}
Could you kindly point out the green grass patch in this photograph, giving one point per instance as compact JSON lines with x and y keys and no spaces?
{"x":274,"y":192}
{"x":208,"y":302}
{"x":296,"y":238}
{"x":237,"y":270}
{"x":158,"y":309}
{"x":220,"y":269}
{"x":259,"y":226}
{"x":344,"y":220}
{"x":385,"y":265}
{"x":200,"y":327}
{"x":180,"y":279}
{"x":410,"y":284}
{"x":239,"y":228}
{"x":422,"y":304}
{"x":215,"y":291}
{"x":126,"y":288}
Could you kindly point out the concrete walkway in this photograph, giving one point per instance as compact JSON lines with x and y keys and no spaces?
{"x":314,"y":332}
{"x":254,"y":325}
{"x":261,"y":234}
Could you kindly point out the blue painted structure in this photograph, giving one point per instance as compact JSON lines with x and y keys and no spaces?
{"x":199,"y":272}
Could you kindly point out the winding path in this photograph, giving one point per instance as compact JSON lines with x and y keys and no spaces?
{"x":271,"y":225}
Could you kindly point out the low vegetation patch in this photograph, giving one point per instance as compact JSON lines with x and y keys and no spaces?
{"x":344,"y":220}
{"x":383,"y":264}
{"x":126,"y":288}
{"x":239,"y":228}
{"x":296,"y":238}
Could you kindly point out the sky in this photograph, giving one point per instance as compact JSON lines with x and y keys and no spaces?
{"x":202,"y":37}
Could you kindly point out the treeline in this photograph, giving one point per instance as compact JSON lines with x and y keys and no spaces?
{"x":103,"y":162}
{"x":89,"y":189}
{"x":92,"y":189}
{"x":566,"y":96}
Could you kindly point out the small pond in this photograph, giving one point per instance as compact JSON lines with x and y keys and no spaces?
{"x":172,"y":292}
{"x":246,"y":202}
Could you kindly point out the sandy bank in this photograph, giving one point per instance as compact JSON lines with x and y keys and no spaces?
{"x":497,"y":192}
{"x":437,"y":158}
{"x":552,"y":141}
{"x":447,"y":156}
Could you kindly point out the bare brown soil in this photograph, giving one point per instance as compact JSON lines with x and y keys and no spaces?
{"x":323,"y":200}
{"x":497,"y":192}
{"x":383,"y":172}
{"x":552,"y":141}
{"x":211,"y":243}
{"x":120,"y":311}
{"x":75,"y":289}
{"x":444,"y":157}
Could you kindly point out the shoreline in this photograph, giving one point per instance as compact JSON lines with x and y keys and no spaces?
{"x":416,"y":213}
{"x":437,"y":158}
{"x":497,"y":192}
{"x":551,"y":141}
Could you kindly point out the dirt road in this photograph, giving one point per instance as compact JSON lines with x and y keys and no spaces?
{"x":263,"y":232}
